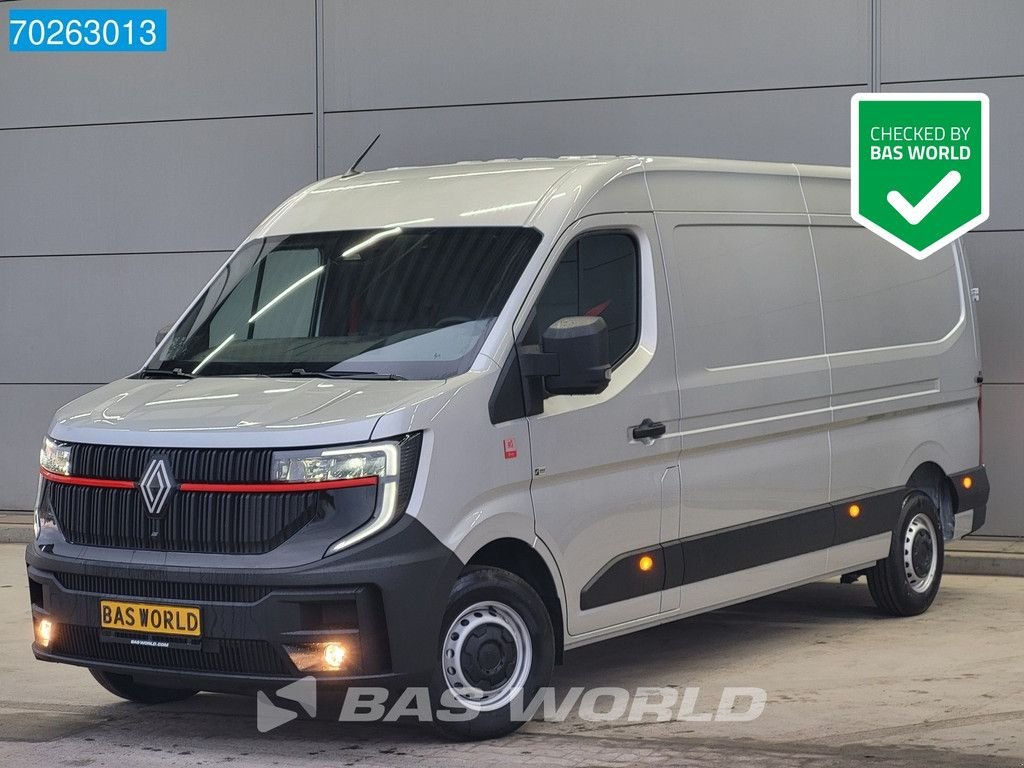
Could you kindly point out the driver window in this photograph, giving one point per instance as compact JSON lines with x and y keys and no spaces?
{"x":597,"y":276}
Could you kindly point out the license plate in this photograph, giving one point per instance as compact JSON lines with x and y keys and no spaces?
{"x":150,"y":619}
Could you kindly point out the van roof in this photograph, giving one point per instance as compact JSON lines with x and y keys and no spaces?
{"x":548,"y":192}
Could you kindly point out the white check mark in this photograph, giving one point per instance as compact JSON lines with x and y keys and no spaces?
{"x":915,"y":213}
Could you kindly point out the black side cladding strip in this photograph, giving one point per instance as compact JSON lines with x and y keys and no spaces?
{"x":622,"y":579}
{"x":694,"y":559}
{"x":718,"y":554}
{"x":878,"y":514}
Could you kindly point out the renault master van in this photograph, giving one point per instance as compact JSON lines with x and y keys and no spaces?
{"x":444,"y":424}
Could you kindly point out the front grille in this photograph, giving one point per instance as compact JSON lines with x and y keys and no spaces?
{"x":252,"y":657}
{"x":200,"y":521}
{"x":213,"y":522}
{"x":202,"y":592}
{"x":187,"y":465}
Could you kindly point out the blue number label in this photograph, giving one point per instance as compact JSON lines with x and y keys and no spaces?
{"x":140,"y":31}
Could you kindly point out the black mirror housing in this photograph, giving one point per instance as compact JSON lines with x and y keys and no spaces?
{"x":580,"y":345}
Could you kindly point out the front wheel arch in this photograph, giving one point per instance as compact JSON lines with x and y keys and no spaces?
{"x":519,"y":558}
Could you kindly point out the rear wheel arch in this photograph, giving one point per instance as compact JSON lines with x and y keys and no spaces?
{"x":932,"y":480}
{"x":519,"y":558}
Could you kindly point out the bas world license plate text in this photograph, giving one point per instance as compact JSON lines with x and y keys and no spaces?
{"x":144,"y":617}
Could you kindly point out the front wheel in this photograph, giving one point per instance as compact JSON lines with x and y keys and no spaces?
{"x":907,"y":581}
{"x":126,"y":687}
{"x":496,"y":652}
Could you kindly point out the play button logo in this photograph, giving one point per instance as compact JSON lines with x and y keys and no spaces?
{"x":270,"y":716}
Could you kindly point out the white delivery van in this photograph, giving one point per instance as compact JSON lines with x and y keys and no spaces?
{"x":446,"y":423}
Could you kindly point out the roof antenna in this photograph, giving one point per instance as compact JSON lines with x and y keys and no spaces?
{"x":352,"y":171}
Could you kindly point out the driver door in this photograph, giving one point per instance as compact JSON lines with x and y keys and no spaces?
{"x":604,"y":496}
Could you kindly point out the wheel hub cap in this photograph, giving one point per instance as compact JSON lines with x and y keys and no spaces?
{"x":489,"y":656}
{"x":920,"y":553}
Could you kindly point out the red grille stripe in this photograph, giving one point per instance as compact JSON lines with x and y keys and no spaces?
{"x":94,"y":482}
{"x":329,"y":485}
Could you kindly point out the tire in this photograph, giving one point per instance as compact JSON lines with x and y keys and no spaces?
{"x":125,"y":687}
{"x":497,"y":646}
{"x":907,"y":581}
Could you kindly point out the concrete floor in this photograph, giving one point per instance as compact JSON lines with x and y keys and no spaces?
{"x":846,"y":686}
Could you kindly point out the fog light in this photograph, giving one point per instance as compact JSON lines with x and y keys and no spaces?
{"x":317,"y":657}
{"x":45,"y":632}
{"x":334,"y":655}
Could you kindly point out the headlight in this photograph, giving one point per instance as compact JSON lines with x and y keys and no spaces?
{"x":55,"y":457}
{"x":392,"y":464}
{"x":336,"y":464}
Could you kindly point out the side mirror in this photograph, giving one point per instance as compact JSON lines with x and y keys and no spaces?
{"x":580,"y":346}
{"x":162,"y":334}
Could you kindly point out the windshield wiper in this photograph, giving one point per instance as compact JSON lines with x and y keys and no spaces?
{"x":160,"y":373}
{"x":370,"y":375}
{"x":178,"y":373}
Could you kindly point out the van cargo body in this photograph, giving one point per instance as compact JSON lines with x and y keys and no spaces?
{"x":442,"y":424}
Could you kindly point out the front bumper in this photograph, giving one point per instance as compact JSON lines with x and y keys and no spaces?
{"x":383,"y":600}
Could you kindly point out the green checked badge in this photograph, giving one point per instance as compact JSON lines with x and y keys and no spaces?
{"x":919,"y":166}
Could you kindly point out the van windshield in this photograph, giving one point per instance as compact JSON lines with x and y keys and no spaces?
{"x":388,"y":303}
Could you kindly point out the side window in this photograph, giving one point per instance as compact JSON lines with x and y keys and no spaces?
{"x":598,"y":276}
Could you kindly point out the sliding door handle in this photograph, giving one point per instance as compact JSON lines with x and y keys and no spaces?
{"x":648,"y":430}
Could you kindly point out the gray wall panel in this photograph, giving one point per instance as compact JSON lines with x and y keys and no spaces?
{"x":547,"y":77}
{"x":715,"y":125}
{"x":25,"y":413}
{"x":996,"y":259}
{"x":1006,"y":103}
{"x":151,"y":187}
{"x":943,"y":39}
{"x":104,"y":333}
{"x":401,"y":54}
{"x":216,"y":65}
{"x":1004,"y":457}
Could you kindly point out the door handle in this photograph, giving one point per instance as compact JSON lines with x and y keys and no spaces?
{"x":648,"y":430}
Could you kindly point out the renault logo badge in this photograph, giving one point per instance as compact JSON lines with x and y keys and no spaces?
{"x":156,"y":486}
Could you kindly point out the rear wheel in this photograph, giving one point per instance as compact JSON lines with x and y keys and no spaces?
{"x":498,"y":648}
{"x":907,"y":581}
{"x":126,"y":687}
